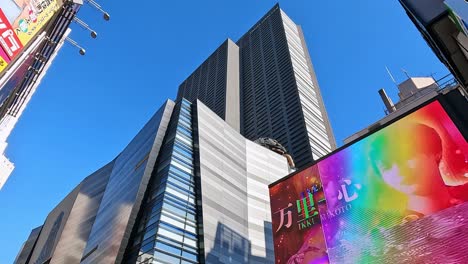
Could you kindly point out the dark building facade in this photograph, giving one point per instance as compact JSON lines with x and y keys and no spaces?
{"x":265,"y":85}
{"x":443,"y":25}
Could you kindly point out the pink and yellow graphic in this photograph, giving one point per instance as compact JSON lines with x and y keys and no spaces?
{"x":395,"y":178}
{"x":4,"y":60}
{"x":31,"y":17}
{"x":9,"y":42}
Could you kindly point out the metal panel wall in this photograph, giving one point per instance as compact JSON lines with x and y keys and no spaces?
{"x":124,"y":193}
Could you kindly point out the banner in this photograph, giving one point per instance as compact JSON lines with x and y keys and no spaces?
{"x":8,"y":39}
{"x":34,"y":15}
{"x":4,"y":60}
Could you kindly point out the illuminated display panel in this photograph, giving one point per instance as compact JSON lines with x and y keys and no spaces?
{"x":297,"y":232}
{"x":396,"y":195}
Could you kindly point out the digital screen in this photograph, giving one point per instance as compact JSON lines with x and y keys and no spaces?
{"x":412,"y":173}
{"x":297,"y":230}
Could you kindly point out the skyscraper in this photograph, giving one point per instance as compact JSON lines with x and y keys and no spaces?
{"x":187,"y":189}
{"x":191,"y":187}
{"x":268,"y":75}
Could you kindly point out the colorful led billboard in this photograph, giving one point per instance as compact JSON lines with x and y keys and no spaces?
{"x":377,"y":190}
{"x":295,"y":206}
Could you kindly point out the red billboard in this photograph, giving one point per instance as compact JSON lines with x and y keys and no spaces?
{"x":372,"y":195}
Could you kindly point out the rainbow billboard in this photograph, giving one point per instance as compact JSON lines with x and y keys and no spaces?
{"x":396,"y":196}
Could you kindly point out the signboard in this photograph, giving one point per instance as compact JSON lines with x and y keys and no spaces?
{"x":412,"y":173}
{"x":33,"y":16}
{"x":296,"y":204}
{"x":8,"y":39}
{"x":20,"y":21}
{"x":4,"y":60}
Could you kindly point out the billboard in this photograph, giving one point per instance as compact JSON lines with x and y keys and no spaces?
{"x":4,"y":60}
{"x":20,"y":21}
{"x":9,"y":41}
{"x":384,"y":197}
{"x":27,"y":17}
{"x":295,"y":205}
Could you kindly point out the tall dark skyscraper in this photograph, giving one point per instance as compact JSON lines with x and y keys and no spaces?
{"x":265,"y":85}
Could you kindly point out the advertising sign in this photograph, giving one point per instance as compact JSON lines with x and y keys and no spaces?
{"x":4,"y":60}
{"x":411,"y":174}
{"x":21,"y":20}
{"x":8,"y":39}
{"x":295,"y":206}
{"x":33,"y":16}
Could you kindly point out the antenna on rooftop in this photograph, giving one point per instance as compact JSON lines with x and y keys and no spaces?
{"x":405,"y":72}
{"x":391,"y":76}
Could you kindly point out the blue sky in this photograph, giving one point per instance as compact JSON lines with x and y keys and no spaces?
{"x":88,"y":108}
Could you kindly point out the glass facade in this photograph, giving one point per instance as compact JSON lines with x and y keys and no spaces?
{"x":166,"y":231}
{"x":124,"y":192}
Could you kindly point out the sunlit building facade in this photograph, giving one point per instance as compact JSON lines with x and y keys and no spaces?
{"x":182,"y":190}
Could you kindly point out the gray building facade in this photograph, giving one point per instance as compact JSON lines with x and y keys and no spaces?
{"x":266,"y":80}
{"x":187,"y":189}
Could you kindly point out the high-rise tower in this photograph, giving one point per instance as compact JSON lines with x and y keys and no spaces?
{"x":268,"y":75}
{"x":190,"y":188}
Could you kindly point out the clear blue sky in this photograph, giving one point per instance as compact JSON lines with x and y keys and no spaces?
{"x":88,"y":108}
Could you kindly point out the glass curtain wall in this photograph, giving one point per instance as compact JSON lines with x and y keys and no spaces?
{"x":167,"y":229}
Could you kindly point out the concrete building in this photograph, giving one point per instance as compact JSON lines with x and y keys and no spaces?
{"x":413,"y":92}
{"x":187,"y":189}
{"x":264,"y":86}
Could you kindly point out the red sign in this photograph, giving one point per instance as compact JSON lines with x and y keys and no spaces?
{"x":8,"y":39}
